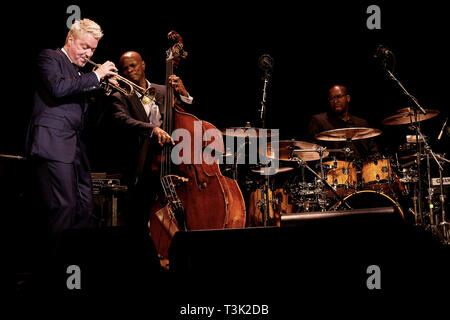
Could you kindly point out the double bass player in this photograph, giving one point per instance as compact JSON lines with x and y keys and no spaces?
{"x":141,"y":128}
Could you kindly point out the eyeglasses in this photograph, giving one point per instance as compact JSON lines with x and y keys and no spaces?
{"x":340,"y":96}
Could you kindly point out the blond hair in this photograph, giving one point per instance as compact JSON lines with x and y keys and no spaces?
{"x":85,"y":26}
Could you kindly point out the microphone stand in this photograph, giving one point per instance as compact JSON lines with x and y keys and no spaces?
{"x":416,"y":107}
{"x":262,"y":111}
{"x":262,"y":116}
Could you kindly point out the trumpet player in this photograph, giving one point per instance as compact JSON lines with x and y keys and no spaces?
{"x":141,"y":124}
{"x":54,"y":140}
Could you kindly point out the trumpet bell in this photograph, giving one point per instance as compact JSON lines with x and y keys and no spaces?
{"x":148,"y":95}
{"x":146,"y":100}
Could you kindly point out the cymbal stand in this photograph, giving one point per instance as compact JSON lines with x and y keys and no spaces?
{"x":238,"y":151}
{"x":443,"y":223}
{"x":266,"y":202}
{"x":419,"y":219}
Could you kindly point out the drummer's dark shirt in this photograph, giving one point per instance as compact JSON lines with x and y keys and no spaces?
{"x":329,"y":121}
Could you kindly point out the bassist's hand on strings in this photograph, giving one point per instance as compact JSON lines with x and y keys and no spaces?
{"x":163,"y":137}
{"x":178,"y":85}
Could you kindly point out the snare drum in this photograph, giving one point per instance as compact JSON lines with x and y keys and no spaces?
{"x":377,"y":175}
{"x":306,"y":197}
{"x":342,"y":175}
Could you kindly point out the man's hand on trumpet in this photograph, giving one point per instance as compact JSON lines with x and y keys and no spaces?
{"x":107,"y":70}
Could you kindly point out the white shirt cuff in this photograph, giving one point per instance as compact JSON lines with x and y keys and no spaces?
{"x":187,"y":99}
{"x":98,"y":77}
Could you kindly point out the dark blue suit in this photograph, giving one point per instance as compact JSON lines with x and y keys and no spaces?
{"x":54,"y":140}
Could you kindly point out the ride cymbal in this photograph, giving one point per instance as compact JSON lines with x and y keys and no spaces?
{"x":347,"y":134}
{"x":287,"y":147}
{"x":406,"y":116}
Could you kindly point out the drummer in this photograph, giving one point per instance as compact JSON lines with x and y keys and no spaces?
{"x":339,"y":117}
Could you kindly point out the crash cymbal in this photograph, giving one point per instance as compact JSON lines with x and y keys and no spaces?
{"x":286,"y":148}
{"x":347,"y":134}
{"x":251,"y":132}
{"x":406,"y":116}
{"x":272,"y":171}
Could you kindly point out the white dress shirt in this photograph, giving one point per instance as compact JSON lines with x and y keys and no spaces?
{"x":152,"y":109}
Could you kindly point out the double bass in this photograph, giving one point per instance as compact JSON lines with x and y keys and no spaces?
{"x":195,"y":195}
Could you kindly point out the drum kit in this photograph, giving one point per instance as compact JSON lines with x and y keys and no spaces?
{"x":347,"y":183}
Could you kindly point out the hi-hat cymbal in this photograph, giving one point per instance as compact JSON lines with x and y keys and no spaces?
{"x":287,"y":147}
{"x":251,"y":132}
{"x":347,"y":134}
{"x":406,"y":116}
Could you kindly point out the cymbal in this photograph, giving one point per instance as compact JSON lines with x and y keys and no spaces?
{"x":345,"y":134}
{"x":272,"y":171}
{"x":286,"y":148}
{"x":406,"y":116}
{"x":251,"y":132}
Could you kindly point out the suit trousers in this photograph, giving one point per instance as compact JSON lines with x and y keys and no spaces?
{"x":65,"y":194}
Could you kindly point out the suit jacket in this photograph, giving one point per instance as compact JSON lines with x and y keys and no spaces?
{"x":137,"y":145}
{"x":59,"y":107}
{"x":135,"y":130}
{"x":130,"y":114}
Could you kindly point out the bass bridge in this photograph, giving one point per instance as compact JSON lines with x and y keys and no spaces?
{"x":169,"y":184}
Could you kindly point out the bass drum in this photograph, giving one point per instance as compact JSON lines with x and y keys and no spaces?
{"x":369,"y":199}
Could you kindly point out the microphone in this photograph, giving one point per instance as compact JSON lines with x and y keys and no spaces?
{"x":265,"y":62}
{"x":382,"y":52}
{"x":442,"y":130}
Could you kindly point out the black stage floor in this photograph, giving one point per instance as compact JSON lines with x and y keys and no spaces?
{"x":372,"y":260}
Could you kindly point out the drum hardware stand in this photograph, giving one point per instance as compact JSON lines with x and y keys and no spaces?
{"x":266,"y":202}
{"x":432,"y":224}
{"x":321,"y":178}
{"x":444,"y":224}
{"x":235,"y":157}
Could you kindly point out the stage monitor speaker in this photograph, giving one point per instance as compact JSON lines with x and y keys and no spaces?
{"x":348,"y":216}
{"x":111,"y":259}
{"x":314,"y":250}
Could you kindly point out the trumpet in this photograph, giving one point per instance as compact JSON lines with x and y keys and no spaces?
{"x":129,"y":87}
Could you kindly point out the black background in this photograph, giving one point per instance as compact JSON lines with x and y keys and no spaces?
{"x":314,"y":45}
